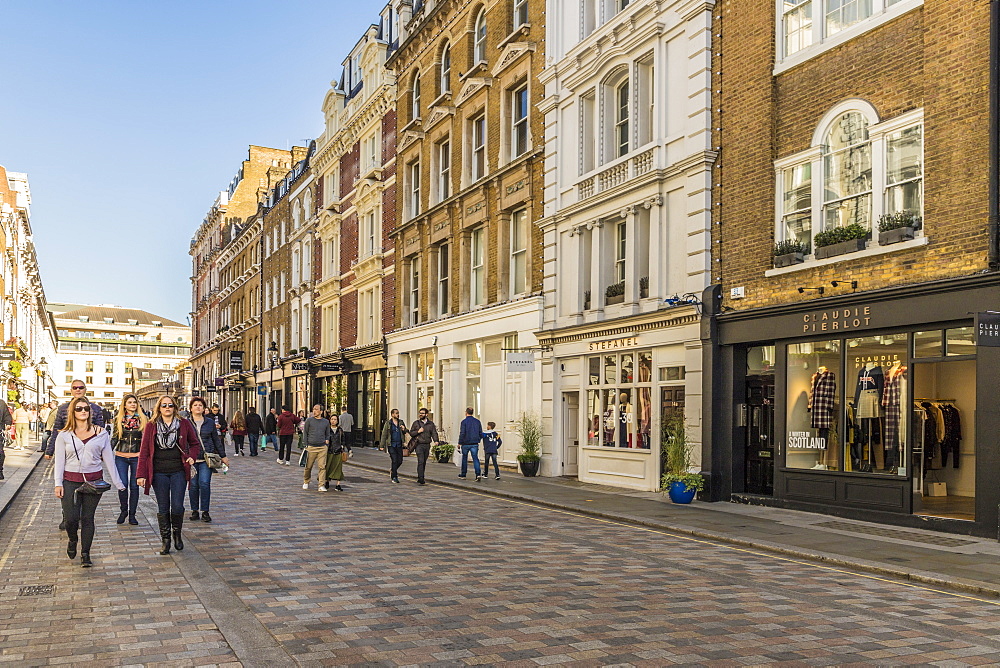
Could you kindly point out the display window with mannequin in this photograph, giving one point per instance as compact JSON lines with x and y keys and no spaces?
{"x":814,"y":419}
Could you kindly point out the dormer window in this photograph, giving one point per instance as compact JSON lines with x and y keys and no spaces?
{"x":109,"y":321}
{"x":84,"y":318}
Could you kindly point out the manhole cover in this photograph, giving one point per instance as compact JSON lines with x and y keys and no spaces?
{"x":36,"y":590}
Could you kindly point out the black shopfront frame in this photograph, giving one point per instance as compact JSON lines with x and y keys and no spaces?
{"x":876,"y":497}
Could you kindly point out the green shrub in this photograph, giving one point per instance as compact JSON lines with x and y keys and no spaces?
{"x":894,"y":221}
{"x":789,"y":246}
{"x":615,"y":289}
{"x":838,"y":235}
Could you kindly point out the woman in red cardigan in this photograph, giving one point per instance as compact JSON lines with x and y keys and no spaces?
{"x":169,"y":447}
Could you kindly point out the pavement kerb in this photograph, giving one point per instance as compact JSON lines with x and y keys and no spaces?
{"x":824,"y":558}
{"x":7,"y":497}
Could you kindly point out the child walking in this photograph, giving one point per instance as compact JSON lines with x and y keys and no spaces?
{"x":491,"y":448}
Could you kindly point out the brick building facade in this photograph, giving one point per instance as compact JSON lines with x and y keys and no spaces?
{"x":468,"y":251}
{"x":851,"y":246}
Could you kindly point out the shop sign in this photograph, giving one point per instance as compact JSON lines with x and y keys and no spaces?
{"x":520,"y":362}
{"x":236,"y":360}
{"x":614,"y":344}
{"x":262,"y":390}
{"x":329,"y":366}
{"x":837,"y":320}
{"x":988,"y":329}
{"x":300,"y":366}
{"x":803,"y":440}
{"x":7,"y":354}
{"x":220,"y":382}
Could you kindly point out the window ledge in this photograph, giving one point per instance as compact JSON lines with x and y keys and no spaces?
{"x":523,"y":29}
{"x":871,"y":251}
{"x":845,"y":35}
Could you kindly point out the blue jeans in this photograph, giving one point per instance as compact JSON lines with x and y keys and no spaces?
{"x":200,"y":490}
{"x":272,"y":440}
{"x":254,"y":443}
{"x":491,"y":457}
{"x":169,"y":491}
{"x":129,"y":497}
{"x":474,"y":449}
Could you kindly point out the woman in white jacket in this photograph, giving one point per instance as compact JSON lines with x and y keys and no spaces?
{"x":80,"y":449}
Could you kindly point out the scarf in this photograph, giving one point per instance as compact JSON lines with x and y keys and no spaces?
{"x":166,"y":435}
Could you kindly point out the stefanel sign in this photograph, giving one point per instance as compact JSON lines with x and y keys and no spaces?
{"x":520,"y":362}
{"x":988,"y":329}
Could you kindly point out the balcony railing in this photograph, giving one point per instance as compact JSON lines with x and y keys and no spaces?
{"x":616,"y":174}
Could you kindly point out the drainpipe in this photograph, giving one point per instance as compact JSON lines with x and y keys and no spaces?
{"x":994,"y":142}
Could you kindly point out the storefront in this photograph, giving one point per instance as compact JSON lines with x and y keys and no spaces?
{"x":613,"y":387}
{"x":364,"y":368}
{"x":874,"y":405}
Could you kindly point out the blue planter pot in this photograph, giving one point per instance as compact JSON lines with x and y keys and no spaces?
{"x":679,"y":494}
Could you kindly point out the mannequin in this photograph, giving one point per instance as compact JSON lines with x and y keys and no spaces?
{"x":822,"y":401}
{"x":867,"y":404}
{"x":893,"y":397}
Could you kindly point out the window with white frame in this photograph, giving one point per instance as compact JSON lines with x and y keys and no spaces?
{"x":622,"y":117}
{"x":477,"y":251}
{"x":520,"y":13}
{"x":307,"y":204}
{"x":477,"y":164}
{"x":307,"y":260}
{"x":330,"y":189}
{"x":296,"y":276}
{"x":369,"y":316}
{"x":443,"y":277}
{"x":519,"y":121}
{"x":370,"y":155}
{"x":859,"y":170}
{"x":803,"y":23}
{"x":369,"y":234}
{"x":621,"y":235}
{"x":588,"y":132}
{"x":414,"y":291}
{"x":479,"y":37}
{"x":297,"y":214}
{"x":519,"y":252}
{"x":414,"y":179}
{"x":443,"y":150}
{"x":415,"y":98}
{"x":446,"y":70}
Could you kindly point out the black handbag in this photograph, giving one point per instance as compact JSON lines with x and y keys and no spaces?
{"x":96,"y":487}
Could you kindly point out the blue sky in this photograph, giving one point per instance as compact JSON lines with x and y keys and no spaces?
{"x":130,"y":116}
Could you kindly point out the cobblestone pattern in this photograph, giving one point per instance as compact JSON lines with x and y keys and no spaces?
{"x":385,"y":574}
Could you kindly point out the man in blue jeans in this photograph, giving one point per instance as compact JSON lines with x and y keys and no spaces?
{"x":469,"y":435}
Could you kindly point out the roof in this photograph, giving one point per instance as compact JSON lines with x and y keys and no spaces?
{"x":121,"y":316}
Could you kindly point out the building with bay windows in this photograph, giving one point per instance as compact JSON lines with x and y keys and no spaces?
{"x":468,"y":249}
{"x":626,"y":222}
{"x":355,"y":163}
{"x":849,"y":340}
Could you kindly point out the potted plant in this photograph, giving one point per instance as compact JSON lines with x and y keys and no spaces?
{"x":677,"y":481}
{"x":443,"y":452}
{"x":615,"y":293}
{"x":789,"y":252}
{"x":898,"y":226}
{"x":644,"y":287}
{"x":841,"y":240}
{"x":586,"y":300}
{"x":530,"y":428}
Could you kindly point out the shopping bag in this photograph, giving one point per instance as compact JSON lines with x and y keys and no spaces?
{"x":302,"y":459}
{"x":457,"y":456}
{"x":263,"y":443}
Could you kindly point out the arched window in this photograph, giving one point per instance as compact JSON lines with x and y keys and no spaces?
{"x":622,"y":117}
{"x":415,"y":98}
{"x":446,"y":70}
{"x":847,"y":172}
{"x":296,"y":215}
{"x":479,"y":37}
{"x":307,"y":204}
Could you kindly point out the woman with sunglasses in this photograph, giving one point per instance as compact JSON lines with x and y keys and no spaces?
{"x":126,"y":438}
{"x":200,"y":490}
{"x":81,"y":449}
{"x":168,"y":452}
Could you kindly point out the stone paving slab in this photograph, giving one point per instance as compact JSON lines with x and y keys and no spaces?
{"x":971,"y":564}
{"x":18,"y":465}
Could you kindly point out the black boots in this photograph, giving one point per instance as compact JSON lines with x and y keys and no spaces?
{"x":194,"y":515}
{"x":122,"y":516}
{"x":163,"y":519}
{"x":177,"y":521}
{"x":85,"y":560}
{"x":71,"y":547}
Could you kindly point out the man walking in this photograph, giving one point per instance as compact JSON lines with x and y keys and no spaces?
{"x":271,"y":429}
{"x":6,"y":420}
{"x":424,"y":433}
{"x":346,"y":424}
{"x":469,"y":435}
{"x":255,"y":427}
{"x":286,"y":429}
{"x":392,"y":440}
{"x":316,"y":438}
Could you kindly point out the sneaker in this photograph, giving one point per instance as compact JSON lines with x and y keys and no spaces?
{"x":479,"y":478}
{"x":323,"y":488}
{"x":280,"y":461}
{"x":205,"y":517}
{"x":498,"y":477}
{"x":339,"y":488}
{"x":462,"y":477}
{"x":421,"y":482}
{"x":305,"y":485}
{"x":287,"y":463}
{"x":396,"y":480}
{"x":195,"y":515}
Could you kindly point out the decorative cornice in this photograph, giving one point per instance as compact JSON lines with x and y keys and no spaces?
{"x":471,"y":86}
{"x":511,"y":53}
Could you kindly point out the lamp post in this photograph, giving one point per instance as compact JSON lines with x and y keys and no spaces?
{"x":273,"y":350}
{"x":40,"y":370}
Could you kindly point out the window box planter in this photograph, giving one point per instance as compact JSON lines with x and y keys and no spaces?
{"x":788,"y":259}
{"x":614,"y":293}
{"x":644,"y":287}
{"x":895,"y":236}
{"x":617,"y":299}
{"x":842,"y":248}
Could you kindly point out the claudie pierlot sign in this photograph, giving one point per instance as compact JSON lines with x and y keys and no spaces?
{"x":988,"y":329}
{"x":837,"y":320}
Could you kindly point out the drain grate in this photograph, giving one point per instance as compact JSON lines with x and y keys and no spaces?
{"x":897,"y":534}
{"x":36,"y":590}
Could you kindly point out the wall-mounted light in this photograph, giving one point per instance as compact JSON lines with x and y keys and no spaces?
{"x":840,"y":281}
{"x":819,"y":289}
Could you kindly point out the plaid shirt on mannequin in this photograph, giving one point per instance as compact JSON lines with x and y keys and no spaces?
{"x":891,"y":398}
{"x":822,"y":399}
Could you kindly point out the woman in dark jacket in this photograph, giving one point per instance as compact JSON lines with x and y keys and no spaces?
{"x":169,"y":449}
{"x":200,"y":489}
{"x":126,"y":439}
{"x":335,"y":454}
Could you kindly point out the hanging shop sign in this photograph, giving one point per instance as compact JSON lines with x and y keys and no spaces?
{"x":262,"y":390}
{"x":220,"y":382}
{"x":517,"y":362}
{"x":7,"y":354}
{"x":329,"y":366}
{"x":988,"y":329}
{"x":236,"y":360}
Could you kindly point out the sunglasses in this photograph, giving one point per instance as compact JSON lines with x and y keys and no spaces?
{"x":79,"y":387}
{"x":82,"y":409}
{"x":166,"y":405}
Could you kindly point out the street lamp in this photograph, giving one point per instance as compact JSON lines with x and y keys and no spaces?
{"x":40,"y":370}
{"x":273,"y":349}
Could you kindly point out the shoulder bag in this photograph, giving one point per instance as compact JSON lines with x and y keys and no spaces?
{"x":212,"y":460}
{"x":96,"y":487}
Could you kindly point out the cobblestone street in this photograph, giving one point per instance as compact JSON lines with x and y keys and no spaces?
{"x":386,"y":574}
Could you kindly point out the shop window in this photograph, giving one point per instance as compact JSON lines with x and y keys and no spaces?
{"x":877,"y":390}
{"x":928,"y":344}
{"x":960,"y":341}
{"x":424,"y":374}
{"x":672,"y":373}
{"x":619,"y":400}
{"x":473,"y":375}
{"x":814,"y":428}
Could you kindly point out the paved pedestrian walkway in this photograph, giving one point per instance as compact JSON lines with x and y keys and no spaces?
{"x":963,"y":562}
{"x":18,"y":465}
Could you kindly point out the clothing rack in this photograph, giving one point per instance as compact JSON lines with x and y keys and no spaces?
{"x":918,"y":451}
